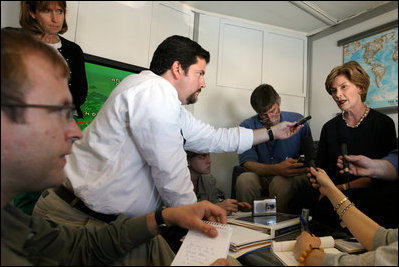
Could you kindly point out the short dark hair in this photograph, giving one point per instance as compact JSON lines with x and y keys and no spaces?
{"x":30,"y":24}
{"x":354,"y":73}
{"x":16,"y":44}
{"x":191,"y":154}
{"x":263,"y":97}
{"x":177,"y":48}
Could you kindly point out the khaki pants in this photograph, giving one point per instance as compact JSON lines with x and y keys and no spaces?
{"x":288,"y":191}
{"x":154,"y":252}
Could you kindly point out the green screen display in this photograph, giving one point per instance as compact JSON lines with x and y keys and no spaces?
{"x":101,"y":81}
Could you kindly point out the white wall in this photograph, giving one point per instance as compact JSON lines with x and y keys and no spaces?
{"x":10,"y":13}
{"x":325,"y":56}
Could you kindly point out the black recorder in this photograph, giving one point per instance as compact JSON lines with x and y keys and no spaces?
{"x":302,"y":121}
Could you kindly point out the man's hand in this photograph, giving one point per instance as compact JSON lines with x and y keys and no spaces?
{"x":190,"y":217}
{"x":358,"y":165}
{"x":290,"y":168}
{"x":232,"y":205}
{"x":285,"y":129}
{"x":363,"y":166}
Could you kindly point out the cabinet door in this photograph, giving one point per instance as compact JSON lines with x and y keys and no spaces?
{"x":116,"y":30}
{"x":169,"y":19}
{"x":285,"y":63}
{"x":240,"y":55}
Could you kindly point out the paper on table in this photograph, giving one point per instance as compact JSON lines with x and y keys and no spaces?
{"x":326,"y":242}
{"x":242,"y":236}
{"x":243,"y":251}
{"x":349,"y":247}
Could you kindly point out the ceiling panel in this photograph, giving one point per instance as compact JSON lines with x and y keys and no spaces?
{"x":303,"y":16}
{"x":346,"y":9}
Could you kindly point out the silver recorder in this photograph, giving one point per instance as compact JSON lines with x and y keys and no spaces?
{"x":263,"y":207}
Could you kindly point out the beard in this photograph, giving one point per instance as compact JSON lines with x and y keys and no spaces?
{"x":269,"y":123}
{"x":191,"y":99}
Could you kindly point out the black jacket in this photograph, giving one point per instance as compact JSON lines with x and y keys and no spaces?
{"x":73,"y":54}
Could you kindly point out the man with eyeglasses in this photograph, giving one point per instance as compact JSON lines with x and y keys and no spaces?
{"x":37,"y":131}
{"x":272,"y":169}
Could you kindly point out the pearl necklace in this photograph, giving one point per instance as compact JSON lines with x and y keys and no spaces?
{"x":361,"y":119}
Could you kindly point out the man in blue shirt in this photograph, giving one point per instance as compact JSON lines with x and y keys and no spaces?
{"x":272,"y":168}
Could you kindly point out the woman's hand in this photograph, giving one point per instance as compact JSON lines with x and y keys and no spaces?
{"x":303,"y":241}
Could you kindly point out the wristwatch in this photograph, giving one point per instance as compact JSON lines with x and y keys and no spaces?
{"x":270,"y":133}
{"x":159,"y":219}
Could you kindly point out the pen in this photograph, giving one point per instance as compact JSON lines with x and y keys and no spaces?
{"x":304,"y":224}
{"x":351,"y":239}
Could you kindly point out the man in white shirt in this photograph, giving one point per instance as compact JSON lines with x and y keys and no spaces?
{"x":131,"y":158}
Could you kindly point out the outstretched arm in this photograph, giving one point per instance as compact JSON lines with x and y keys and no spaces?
{"x":282,"y":130}
{"x":361,"y":226}
{"x":363,"y":166}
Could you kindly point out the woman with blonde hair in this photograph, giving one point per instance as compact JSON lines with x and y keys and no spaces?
{"x":357,"y":129}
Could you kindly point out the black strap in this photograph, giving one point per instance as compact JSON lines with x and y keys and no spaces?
{"x":270,"y":132}
{"x":75,"y":202}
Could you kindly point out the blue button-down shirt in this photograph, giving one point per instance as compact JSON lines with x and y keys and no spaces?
{"x":278,"y":150}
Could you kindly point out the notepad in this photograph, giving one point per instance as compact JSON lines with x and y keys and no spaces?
{"x":245,"y":240}
{"x":199,"y":250}
{"x":284,"y":250}
{"x":243,"y":237}
{"x":275,"y":225}
{"x":349,"y":247}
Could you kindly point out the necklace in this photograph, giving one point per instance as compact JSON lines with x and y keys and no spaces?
{"x":361,"y":119}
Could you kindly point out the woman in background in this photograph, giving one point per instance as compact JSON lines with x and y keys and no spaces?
{"x":362,"y":131}
{"x":46,"y":20}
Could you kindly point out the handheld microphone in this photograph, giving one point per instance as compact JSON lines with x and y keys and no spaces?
{"x":308,"y":150}
{"x":344,"y":151}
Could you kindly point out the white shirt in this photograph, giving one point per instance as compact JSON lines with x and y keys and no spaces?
{"x":131,"y":157}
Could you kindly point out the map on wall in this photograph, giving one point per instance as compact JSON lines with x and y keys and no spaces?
{"x":378,"y":55}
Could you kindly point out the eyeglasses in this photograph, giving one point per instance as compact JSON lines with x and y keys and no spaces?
{"x":65,"y":111}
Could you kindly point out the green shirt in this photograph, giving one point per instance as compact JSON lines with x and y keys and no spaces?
{"x":207,"y":189}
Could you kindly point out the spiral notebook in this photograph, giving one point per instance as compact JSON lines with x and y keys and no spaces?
{"x":199,"y":250}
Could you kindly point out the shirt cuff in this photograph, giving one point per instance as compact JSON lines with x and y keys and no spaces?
{"x":246,"y":139}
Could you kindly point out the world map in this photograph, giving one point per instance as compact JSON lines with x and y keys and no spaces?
{"x":378,"y":55}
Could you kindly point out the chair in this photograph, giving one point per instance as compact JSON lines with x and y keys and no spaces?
{"x":237,"y":170}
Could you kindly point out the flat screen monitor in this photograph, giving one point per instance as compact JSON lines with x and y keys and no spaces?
{"x":103,"y":75}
